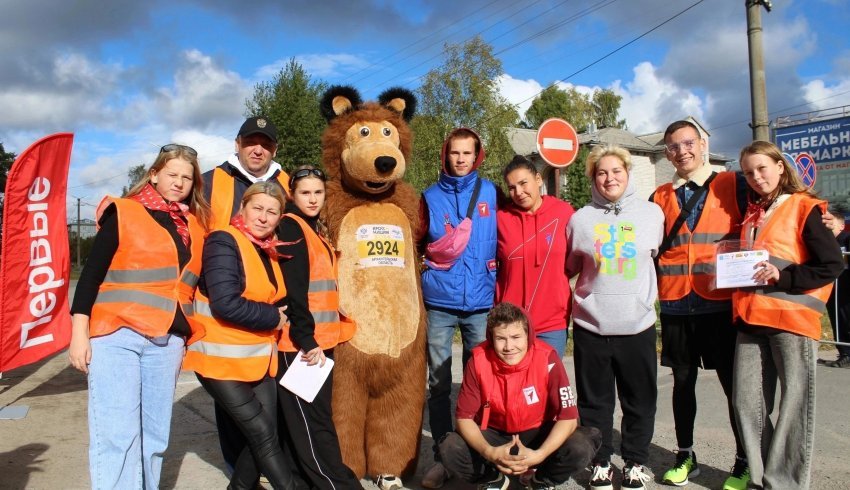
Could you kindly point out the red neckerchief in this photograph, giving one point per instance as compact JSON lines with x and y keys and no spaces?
{"x":755,"y":215}
{"x":153,"y":200}
{"x":269,"y":244}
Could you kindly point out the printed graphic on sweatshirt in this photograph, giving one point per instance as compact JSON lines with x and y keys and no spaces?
{"x":547,"y":231}
{"x":568,"y":399}
{"x":615,"y":249}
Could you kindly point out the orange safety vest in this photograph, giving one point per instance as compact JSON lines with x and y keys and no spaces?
{"x":144,"y":283}
{"x":768,"y":306}
{"x":331,"y":328}
{"x":219,"y":349}
{"x":689,"y":263}
{"x":222,"y":195}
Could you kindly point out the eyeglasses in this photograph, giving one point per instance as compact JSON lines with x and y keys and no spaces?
{"x":175,"y":147}
{"x":684,"y":145}
{"x":305,"y":172}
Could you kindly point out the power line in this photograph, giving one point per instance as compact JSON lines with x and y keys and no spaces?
{"x":461,"y":19}
{"x":578,"y":15}
{"x":581,"y":14}
{"x":98,"y":181}
{"x":432,"y":58}
{"x":726,"y":125}
{"x":598,"y":60}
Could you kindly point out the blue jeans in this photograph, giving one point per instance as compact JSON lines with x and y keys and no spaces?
{"x":557,"y":339}
{"x":441,"y":330}
{"x":131,"y":392}
{"x":780,"y":455}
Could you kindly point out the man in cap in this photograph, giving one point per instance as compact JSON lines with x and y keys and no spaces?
{"x":256,"y":144}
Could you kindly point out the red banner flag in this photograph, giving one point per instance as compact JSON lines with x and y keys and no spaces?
{"x":34,"y":315}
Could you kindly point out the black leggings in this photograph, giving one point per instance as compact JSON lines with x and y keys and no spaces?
{"x":253,"y":407}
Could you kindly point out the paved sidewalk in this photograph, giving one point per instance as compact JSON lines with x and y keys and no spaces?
{"x":48,"y":448}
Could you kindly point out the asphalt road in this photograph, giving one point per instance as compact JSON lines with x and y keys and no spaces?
{"x":48,"y":448}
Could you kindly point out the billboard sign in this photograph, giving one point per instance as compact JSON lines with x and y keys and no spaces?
{"x":822,"y":148}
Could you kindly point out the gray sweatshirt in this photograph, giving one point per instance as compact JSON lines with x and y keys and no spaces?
{"x":611,"y":246}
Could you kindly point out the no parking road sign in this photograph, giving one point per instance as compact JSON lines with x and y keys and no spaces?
{"x":557,"y":142}
{"x":806,"y":168}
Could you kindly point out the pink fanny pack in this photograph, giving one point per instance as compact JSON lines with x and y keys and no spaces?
{"x":442,"y":253}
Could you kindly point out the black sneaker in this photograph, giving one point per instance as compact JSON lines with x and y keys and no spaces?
{"x":542,"y":484}
{"x":635,"y":475}
{"x":843,"y":361}
{"x":601,"y":474}
{"x":500,"y":483}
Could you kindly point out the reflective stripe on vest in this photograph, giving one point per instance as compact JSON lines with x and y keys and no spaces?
{"x":330,"y":328}
{"x":781,"y":236}
{"x":143,"y":275}
{"x":144,"y":285}
{"x":221,"y":350}
{"x":231,"y":351}
{"x":138,"y":297}
{"x":688,"y":265}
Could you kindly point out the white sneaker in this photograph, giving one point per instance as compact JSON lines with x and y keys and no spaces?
{"x":436,"y":476}
{"x":389,"y":482}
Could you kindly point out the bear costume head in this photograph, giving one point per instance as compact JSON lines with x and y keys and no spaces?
{"x":367,"y":145}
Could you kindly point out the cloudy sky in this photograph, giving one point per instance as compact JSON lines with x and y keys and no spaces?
{"x":127,"y":76}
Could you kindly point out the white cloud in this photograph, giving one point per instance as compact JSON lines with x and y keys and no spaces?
{"x":317,"y":65}
{"x":821,"y":96}
{"x":520,"y":93}
{"x":203,"y":92}
{"x":650,"y":101}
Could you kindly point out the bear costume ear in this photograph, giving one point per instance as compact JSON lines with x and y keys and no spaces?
{"x":400,"y":100}
{"x":338,"y":100}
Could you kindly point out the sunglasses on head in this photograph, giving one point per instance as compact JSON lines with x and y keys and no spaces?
{"x":175,"y":147}
{"x":305,"y":172}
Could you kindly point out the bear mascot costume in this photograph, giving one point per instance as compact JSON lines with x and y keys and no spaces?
{"x":372,"y":216}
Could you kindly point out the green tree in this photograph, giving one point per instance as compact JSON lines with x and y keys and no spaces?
{"x":569,"y":105}
{"x":462,"y":91}
{"x":6,"y":161}
{"x":602,"y":108}
{"x":606,"y":109}
{"x":134,"y":175}
{"x":291,"y":101}
{"x":577,"y":190}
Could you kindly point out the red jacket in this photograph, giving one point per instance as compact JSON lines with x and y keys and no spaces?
{"x":516,"y":398}
{"x":532,"y":253}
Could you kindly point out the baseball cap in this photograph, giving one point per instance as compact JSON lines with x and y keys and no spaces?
{"x":259,"y":124}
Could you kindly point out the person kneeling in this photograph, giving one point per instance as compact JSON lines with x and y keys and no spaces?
{"x":516,"y":411}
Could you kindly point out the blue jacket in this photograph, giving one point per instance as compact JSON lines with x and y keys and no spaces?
{"x":470,"y":283}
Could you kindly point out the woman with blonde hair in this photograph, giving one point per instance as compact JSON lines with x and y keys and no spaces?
{"x":779,"y":319}
{"x":129,"y":323}
{"x":238,"y":314}
{"x":611,"y":243}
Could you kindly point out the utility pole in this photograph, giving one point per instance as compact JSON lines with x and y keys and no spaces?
{"x":79,"y":263}
{"x":758,"y":92}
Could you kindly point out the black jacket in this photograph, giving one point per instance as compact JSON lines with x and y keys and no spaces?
{"x":223,"y":282}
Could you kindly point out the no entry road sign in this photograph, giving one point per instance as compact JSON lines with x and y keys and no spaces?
{"x":557,"y":142}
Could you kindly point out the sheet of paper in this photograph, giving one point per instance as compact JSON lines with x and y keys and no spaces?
{"x":736,"y":269}
{"x":306,"y":381}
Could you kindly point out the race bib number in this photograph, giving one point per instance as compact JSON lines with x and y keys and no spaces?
{"x":380,"y":246}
